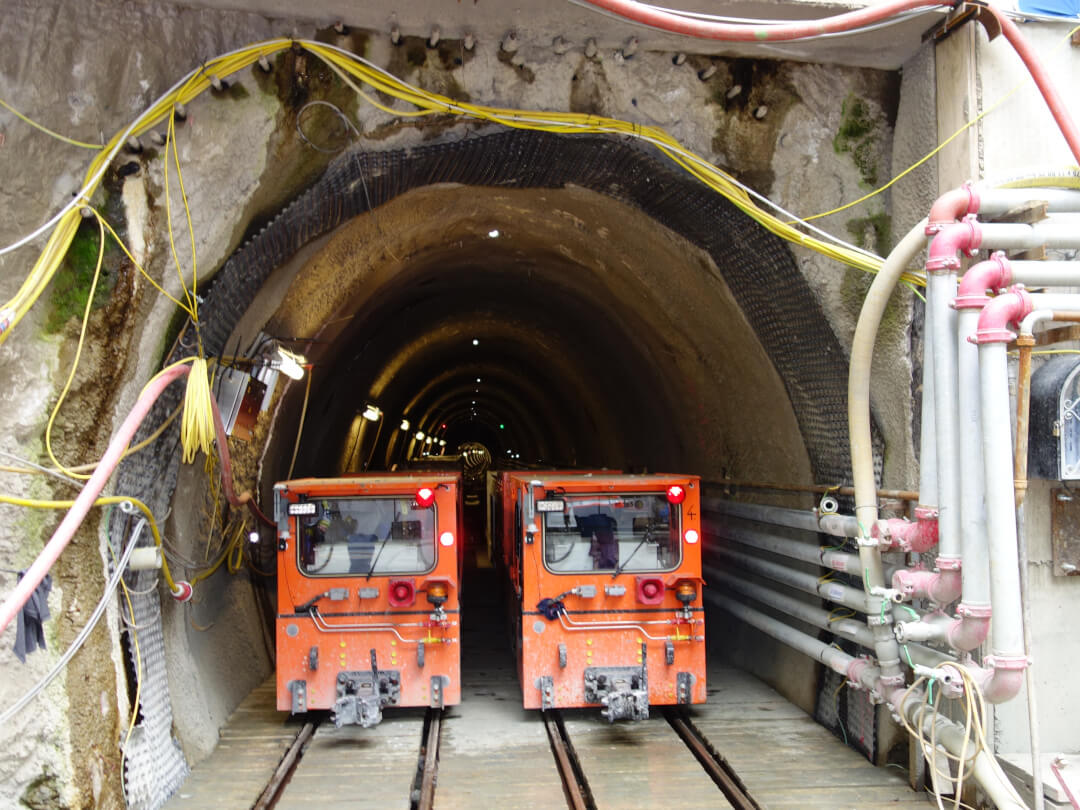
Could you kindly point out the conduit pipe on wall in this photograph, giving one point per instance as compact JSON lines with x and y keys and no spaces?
{"x":849,"y":628}
{"x":806,"y":520}
{"x":862,"y":674}
{"x":786,"y":547}
{"x":74,"y":518}
{"x":801,"y":581}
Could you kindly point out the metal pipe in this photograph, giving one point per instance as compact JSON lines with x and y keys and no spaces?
{"x":820,"y":489}
{"x":1045,"y":274}
{"x":1008,"y":659}
{"x":785,"y":547}
{"x":928,"y":481}
{"x":806,"y":520}
{"x":940,"y":291}
{"x":996,"y":201}
{"x":800,"y":581}
{"x":1015,"y":235}
{"x":851,"y":629}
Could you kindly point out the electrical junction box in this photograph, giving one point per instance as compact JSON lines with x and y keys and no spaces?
{"x":1054,"y":421}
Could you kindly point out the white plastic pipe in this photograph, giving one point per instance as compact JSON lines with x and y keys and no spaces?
{"x":996,"y":201}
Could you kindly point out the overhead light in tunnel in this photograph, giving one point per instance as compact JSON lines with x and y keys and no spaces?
{"x":442,"y":442}
{"x":289,"y":364}
{"x":428,"y":440}
{"x":419,"y":435}
{"x":475,"y":342}
{"x":478,"y":379}
{"x":494,"y":233}
{"x":253,"y":537}
{"x":404,"y":424}
{"x":371,"y":413}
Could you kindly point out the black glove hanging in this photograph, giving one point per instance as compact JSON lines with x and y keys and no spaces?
{"x":29,"y":632}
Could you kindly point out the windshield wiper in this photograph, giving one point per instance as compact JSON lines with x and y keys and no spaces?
{"x":620,"y":567}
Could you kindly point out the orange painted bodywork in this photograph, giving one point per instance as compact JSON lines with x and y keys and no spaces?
{"x":627,"y":621}
{"x":355,"y":626}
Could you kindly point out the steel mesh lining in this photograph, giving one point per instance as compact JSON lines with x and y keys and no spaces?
{"x":757,"y":266}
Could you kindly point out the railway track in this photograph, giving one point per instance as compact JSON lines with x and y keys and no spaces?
{"x":580,"y":795}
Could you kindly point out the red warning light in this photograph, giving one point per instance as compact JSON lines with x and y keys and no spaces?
{"x":425,"y":497}
{"x":650,"y":590}
{"x":676,"y":494}
{"x":402,"y":593}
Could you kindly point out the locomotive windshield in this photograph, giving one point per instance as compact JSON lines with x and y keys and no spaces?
{"x":367,"y":536}
{"x":616,"y":533}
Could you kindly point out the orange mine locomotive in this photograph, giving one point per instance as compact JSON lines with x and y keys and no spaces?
{"x":604,"y":571}
{"x":369,"y":572}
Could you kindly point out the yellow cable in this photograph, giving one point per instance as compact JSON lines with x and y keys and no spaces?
{"x":75,"y":363}
{"x":197,"y":423}
{"x":168,"y":221}
{"x":105,"y":500}
{"x":191,"y":231}
{"x":46,"y":130}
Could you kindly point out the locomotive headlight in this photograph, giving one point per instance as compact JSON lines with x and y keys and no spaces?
{"x":446,"y":539}
{"x":686,"y":592}
{"x":691,"y":536}
{"x":436,"y":593}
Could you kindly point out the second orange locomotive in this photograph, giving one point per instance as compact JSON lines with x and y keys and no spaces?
{"x":604,"y":572}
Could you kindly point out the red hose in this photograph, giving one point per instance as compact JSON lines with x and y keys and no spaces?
{"x":742,"y":32}
{"x":74,"y":518}
{"x":734,"y":32}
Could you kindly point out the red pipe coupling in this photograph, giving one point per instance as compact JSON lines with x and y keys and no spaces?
{"x":903,"y":535}
{"x":971,"y":627}
{"x":965,"y":236}
{"x":1010,"y":307}
{"x":942,"y":586}
{"x":993,"y":274}
{"x":951,"y":206}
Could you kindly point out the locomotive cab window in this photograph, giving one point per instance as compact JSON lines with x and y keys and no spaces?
{"x":615,"y":533}
{"x":366,"y":536}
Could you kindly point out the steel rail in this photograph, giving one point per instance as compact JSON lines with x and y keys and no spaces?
{"x":285,"y":769}
{"x":430,"y":771}
{"x":572,"y":786}
{"x":715,"y":765}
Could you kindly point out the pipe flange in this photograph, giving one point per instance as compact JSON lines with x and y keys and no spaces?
{"x":1007,"y":662}
{"x":974,"y":611}
{"x":948,"y":563}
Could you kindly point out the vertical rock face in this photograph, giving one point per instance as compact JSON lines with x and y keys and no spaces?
{"x":86,"y":70}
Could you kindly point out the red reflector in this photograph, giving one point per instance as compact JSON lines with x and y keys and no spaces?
{"x":676,"y":494}
{"x":447,"y":538}
{"x":690,"y":536}
{"x":425,"y":497}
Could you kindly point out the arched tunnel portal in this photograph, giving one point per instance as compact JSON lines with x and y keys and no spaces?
{"x":563,"y":301}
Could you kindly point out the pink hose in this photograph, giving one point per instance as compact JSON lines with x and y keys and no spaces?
{"x":728,"y":32}
{"x":734,"y":32}
{"x":74,"y":518}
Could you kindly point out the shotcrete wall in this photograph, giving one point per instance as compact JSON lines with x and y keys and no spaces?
{"x":808,"y":136}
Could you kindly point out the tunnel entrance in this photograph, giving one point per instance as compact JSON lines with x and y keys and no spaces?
{"x":616,"y":313}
